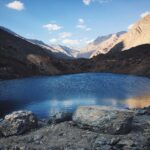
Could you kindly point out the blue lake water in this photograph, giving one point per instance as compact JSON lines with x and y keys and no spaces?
{"x":47,"y":95}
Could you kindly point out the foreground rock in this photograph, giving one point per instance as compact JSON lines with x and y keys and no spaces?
{"x":17,"y":123}
{"x":68,"y":136}
{"x":60,"y":117}
{"x":104,"y":119}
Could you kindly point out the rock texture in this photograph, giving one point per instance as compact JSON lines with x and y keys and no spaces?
{"x":17,"y":123}
{"x":104,"y":119}
{"x":134,"y":61}
{"x":101,"y":45}
{"x":139,"y":34}
{"x":68,"y":136}
{"x":59,"y":50}
{"x":60,"y":117}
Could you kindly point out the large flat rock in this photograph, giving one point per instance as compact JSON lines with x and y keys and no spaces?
{"x":104,"y":119}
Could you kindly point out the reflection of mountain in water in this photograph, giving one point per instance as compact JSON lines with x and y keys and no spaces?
{"x":46,"y":95}
{"x":138,"y":102}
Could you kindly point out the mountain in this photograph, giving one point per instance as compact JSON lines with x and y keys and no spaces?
{"x":139,"y":34}
{"x":100,"y":45}
{"x":60,"y":50}
{"x":66,"y":50}
{"x":20,"y":57}
{"x":9,"y":31}
{"x":133,"y":61}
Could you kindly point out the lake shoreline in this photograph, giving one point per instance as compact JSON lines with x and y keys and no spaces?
{"x":5,"y":78}
{"x":47,"y":95}
{"x":64,"y":133}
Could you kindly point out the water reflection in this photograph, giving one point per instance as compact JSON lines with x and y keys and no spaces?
{"x":50,"y":107}
{"x":138,"y":102}
{"x":47,"y":95}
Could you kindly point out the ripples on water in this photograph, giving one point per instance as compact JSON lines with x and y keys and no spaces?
{"x":47,"y":95}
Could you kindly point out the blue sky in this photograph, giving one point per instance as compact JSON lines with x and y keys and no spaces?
{"x":70,"y":22}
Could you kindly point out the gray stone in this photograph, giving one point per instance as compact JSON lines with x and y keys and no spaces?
{"x":18,"y":123}
{"x":60,"y":117}
{"x":37,"y":137}
{"x":142,"y":111}
{"x":114,"y":141}
{"x":104,"y":119}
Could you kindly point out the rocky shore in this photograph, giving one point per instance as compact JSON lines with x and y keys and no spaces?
{"x":89,"y":128}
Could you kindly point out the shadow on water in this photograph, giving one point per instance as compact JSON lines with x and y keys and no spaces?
{"x":47,"y":95}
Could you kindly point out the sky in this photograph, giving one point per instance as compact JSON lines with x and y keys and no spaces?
{"x":72,"y":23}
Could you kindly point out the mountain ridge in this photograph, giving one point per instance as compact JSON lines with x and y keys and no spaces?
{"x":101,"y":45}
{"x":139,"y":34}
{"x":22,"y":58}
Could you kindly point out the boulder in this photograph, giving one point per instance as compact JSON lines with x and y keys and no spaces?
{"x":104,"y":119}
{"x":18,"y":123}
{"x":143,"y":111}
{"x":60,"y":117}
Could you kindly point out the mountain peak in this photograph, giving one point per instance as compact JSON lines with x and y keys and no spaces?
{"x":101,"y":45}
{"x":137,"y":35}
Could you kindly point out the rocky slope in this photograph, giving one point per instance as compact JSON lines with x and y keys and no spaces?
{"x":70,"y":52}
{"x":60,"y":50}
{"x":18,"y":56}
{"x":21,"y":58}
{"x":79,"y":133}
{"x":101,"y":45}
{"x":139,"y":34}
{"x":134,"y":61}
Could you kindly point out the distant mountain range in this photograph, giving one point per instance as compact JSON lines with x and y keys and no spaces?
{"x":118,"y":53}
{"x":61,"y":50}
{"x":101,"y":45}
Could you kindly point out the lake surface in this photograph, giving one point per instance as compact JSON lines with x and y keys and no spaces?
{"x":47,"y":95}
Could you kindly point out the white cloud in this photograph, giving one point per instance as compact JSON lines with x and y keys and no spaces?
{"x":52,"y":27}
{"x":130,"y":26}
{"x":53,"y":40}
{"x":145,"y":14}
{"x":87,"y":2}
{"x":65,"y":35}
{"x":81,"y":21}
{"x":70,"y":42}
{"x":88,"y":29}
{"x":17,"y":5}
{"x":81,"y":25}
